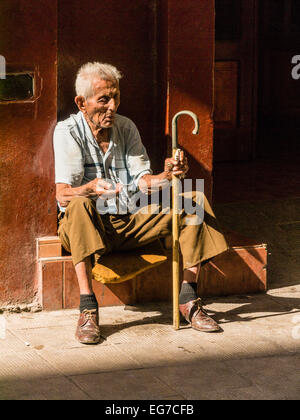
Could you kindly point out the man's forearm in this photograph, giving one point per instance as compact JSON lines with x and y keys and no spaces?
{"x":93,"y":189}
{"x":151,"y":183}
{"x":65,"y":193}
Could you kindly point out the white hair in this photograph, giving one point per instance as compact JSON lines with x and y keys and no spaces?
{"x":89,"y":71}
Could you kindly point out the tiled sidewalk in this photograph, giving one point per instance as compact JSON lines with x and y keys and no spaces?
{"x":142,"y":357}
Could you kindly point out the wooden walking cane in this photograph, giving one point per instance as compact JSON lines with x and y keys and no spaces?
{"x":175,"y":217}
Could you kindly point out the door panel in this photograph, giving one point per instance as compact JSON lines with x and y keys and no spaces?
{"x":226,"y":94}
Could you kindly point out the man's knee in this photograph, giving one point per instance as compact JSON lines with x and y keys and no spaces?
{"x":80,"y":203}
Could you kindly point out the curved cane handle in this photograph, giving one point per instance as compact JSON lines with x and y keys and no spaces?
{"x":174,"y":126}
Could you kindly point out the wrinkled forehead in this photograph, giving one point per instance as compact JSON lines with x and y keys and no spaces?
{"x":105,"y":86}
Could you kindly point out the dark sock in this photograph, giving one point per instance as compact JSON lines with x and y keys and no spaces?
{"x":188,"y":292}
{"x":88,"y":302}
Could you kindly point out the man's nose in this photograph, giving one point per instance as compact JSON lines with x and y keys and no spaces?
{"x":112,"y":105}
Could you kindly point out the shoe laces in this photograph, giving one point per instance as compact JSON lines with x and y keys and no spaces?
{"x":199,"y":306}
{"x":89,"y":313}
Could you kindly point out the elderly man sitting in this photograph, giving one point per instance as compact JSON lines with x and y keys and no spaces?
{"x":99,"y":158}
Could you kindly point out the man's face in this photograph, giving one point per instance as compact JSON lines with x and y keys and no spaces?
{"x":100,"y":109}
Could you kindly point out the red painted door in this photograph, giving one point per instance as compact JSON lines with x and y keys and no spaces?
{"x":28,"y":34}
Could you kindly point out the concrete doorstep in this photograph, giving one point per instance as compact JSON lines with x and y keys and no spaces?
{"x":141,"y":356}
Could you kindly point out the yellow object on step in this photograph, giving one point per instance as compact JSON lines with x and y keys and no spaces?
{"x":122,"y":266}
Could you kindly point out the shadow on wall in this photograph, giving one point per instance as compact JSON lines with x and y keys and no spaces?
{"x":119,"y":38}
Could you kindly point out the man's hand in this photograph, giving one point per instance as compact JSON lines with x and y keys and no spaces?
{"x":105,"y":189}
{"x":174,"y":167}
{"x":149,"y":184}
{"x":96,"y":187}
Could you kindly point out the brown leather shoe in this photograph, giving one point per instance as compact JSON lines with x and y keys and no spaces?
{"x":88,"y":331}
{"x":194,"y":313}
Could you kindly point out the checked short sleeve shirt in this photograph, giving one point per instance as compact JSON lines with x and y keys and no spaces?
{"x":79,"y":159}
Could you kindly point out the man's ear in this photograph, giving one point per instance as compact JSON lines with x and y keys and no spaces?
{"x":80,"y":101}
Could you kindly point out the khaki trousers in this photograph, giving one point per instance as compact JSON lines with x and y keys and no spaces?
{"x":83,"y":232}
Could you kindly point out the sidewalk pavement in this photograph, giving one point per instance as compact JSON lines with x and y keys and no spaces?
{"x":141,"y":356}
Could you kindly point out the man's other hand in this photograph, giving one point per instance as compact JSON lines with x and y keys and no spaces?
{"x":106,"y":189}
{"x":96,"y":187}
{"x":174,"y":167}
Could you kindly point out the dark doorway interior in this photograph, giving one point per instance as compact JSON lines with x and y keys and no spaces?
{"x":257,"y":101}
{"x":278,"y":93}
{"x":235,"y":80}
{"x":257,"y":166}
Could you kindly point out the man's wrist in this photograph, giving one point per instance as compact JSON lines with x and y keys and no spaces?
{"x":166,"y":175}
